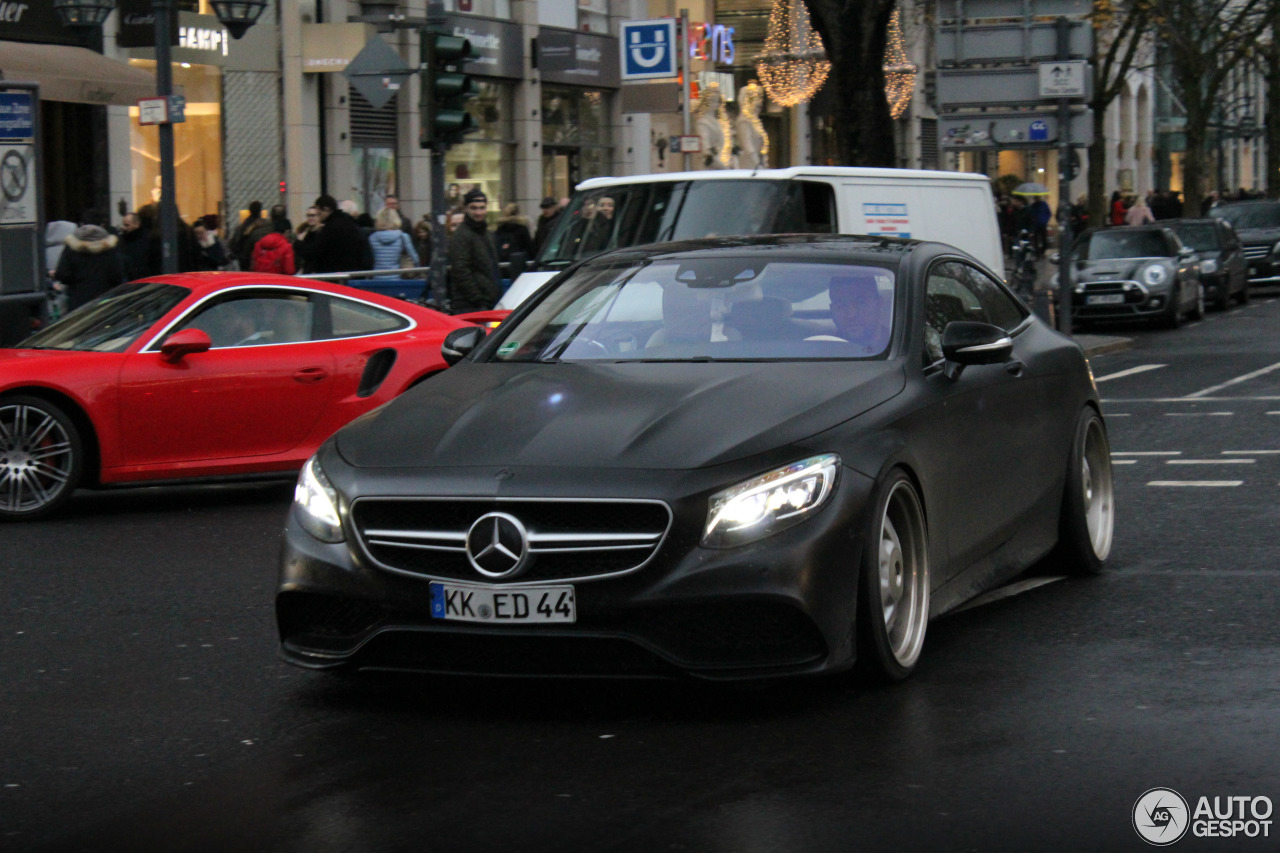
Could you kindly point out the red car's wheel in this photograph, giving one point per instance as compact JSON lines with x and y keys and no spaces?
{"x":41,"y":458}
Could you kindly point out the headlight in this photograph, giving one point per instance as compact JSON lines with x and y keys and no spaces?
{"x":1209,"y":266}
{"x":771,"y":502}
{"x":1155,"y":274}
{"x":1275,"y":250}
{"x":317,"y":503}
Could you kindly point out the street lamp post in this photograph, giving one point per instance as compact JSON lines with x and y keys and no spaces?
{"x":236,"y":15}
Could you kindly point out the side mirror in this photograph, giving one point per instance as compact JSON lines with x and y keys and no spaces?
{"x":181,"y":344}
{"x":460,"y":343}
{"x":968,"y":342}
{"x":1186,"y":253}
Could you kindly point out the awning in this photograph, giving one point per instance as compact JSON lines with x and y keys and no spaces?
{"x":75,"y":74}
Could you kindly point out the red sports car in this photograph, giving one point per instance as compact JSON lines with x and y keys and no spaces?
{"x":203,"y":375}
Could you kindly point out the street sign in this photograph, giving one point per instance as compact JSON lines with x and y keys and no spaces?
{"x":1031,"y":129}
{"x":377,"y":72}
{"x":649,"y":49}
{"x":961,"y":44}
{"x":1064,"y":79}
{"x":153,"y":111}
{"x":686,"y":144}
{"x":986,"y":87}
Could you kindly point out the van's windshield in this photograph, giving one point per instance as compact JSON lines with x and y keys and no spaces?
{"x":654,"y":212}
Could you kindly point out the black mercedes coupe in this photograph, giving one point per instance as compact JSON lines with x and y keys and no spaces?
{"x":726,"y":458}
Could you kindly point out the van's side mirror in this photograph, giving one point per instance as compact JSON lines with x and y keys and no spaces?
{"x":460,"y":343}
{"x":184,"y":343}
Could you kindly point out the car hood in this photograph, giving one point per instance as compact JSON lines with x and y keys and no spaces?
{"x":625,"y":415}
{"x":1114,"y":268}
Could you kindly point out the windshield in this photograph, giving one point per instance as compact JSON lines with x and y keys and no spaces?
{"x":111,"y":322}
{"x":709,"y":309}
{"x":1202,"y":236}
{"x":633,"y":214}
{"x":1250,"y":215}
{"x":1127,"y":244}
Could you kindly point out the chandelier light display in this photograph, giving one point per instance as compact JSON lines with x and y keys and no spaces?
{"x":899,"y":72}
{"x":793,"y":64}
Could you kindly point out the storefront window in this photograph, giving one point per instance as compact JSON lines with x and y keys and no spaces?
{"x":197,"y":144}
{"x":574,"y":116}
{"x":374,"y":174}
{"x":486,"y":160}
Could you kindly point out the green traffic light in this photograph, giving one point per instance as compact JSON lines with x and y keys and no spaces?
{"x":445,"y":90}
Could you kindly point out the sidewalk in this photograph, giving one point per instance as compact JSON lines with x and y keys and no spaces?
{"x":1092,"y":344}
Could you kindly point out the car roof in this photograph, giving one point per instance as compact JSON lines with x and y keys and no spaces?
{"x":1191,"y":220}
{"x":783,"y":174}
{"x":204,"y":283}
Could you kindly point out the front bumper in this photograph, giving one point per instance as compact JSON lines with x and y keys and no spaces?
{"x":1264,"y":267}
{"x":1118,"y":300}
{"x":781,"y":606}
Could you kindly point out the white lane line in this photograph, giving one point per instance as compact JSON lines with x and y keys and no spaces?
{"x":1124,"y":461}
{"x":1210,"y":461}
{"x":1273,"y":413}
{"x":1198,"y":414}
{"x":1207,"y":391}
{"x":1146,"y":453}
{"x":1126,"y":400}
{"x":1130,"y":372}
{"x":1119,"y":414}
{"x":1250,"y":452}
{"x":1204,"y":484}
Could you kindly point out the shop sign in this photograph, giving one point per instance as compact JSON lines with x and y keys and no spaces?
{"x":711,"y":43}
{"x":497,"y":46}
{"x":198,"y":39}
{"x":580,"y":59}
{"x":138,"y":24}
{"x":331,"y":47}
{"x":34,"y":21}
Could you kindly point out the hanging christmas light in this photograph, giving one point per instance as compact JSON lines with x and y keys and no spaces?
{"x":793,"y":64}
{"x":899,"y":72}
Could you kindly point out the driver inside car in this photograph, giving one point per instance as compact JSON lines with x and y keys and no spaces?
{"x":856,"y":311}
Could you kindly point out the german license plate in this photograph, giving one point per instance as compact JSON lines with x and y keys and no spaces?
{"x":498,"y":605}
{"x":1105,"y":299}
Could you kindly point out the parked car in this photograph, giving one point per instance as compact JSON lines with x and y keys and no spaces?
{"x":725,"y":458}
{"x":1258,"y":225}
{"x":950,"y":207}
{"x":1135,"y":272}
{"x":203,"y":375}
{"x":1223,"y":269}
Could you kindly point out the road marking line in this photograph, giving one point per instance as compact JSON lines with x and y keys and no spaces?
{"x":1210,"y":461}
{"x":1119,"y":414}
{"x":1146,"y":453}
{"x":1198,"y":414}
{"x":1116,"y":400}
{"x":1130,"y":372}
{"x":1249,"y":452}
{"x":1205,"y":484}
{"x":1124,"y":461}
{"x":1207,"y":391}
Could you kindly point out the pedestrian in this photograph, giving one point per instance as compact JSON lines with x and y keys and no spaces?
{"x":1139,"y":213}
{"x":338,"y":246}
{"x":1118,"y":208}
{"x":1040,"y":217}
{"x":279,"y":218}
{"x":546,"y":223}
{"x":303,"y":244}
{"x":422,"y":241}
{"x":511,"y":236}
{"x":251,"y":230}
{"x":135,"y":247}
{"x":600,"y":231}
{"x":90,"y":265}
{"x":392,"y":202}
{"x":212,"y":253}
{"x":274,"y":253}
{"x":392,"y":248}
{"x":473,"y":259}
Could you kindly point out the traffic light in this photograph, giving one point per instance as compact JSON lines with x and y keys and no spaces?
{"x":445,"y":90}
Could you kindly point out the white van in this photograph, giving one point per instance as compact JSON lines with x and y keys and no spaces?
{"x":950,"y":207}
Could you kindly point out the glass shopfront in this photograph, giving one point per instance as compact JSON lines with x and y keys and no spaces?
{"x":486,"y":161}
{"x":576,"y":142}
{"x":197,"y":144}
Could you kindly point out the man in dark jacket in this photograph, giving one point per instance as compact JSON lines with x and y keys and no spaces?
{"x":253,"y":229}
{"x":473,"y":260}
{"x":135,"y":247}
{"x":337,"y":246}
{"x":546,"y":224}
{"x":90,"y":265}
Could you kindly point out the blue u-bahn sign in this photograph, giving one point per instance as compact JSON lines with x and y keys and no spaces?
{"x":649,"y":50}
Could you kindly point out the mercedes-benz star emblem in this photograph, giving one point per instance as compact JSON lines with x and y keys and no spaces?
{"x":498,"y":545}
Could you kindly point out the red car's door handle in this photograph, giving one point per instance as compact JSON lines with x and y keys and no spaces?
{"x":309,"y":375}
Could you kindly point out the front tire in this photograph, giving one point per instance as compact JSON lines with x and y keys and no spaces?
{"x":1087,"y":522}
{"x":1197,"y":310}
{"x":1173,"y":316}
{"x":41,"y":458}
{"x":894,"y":601}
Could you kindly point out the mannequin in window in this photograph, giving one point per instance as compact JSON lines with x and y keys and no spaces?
{"x":753,"y":142}
{"x":709,"y":113}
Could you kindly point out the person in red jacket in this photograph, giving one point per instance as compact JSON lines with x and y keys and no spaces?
{"x":274,"y":253}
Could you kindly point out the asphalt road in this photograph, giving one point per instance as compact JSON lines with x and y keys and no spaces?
{"x":144,"y":707}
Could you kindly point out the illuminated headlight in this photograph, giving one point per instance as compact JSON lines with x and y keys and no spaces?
{"x":317,"y":503}
{"x":771,"y":502}
{"x":1155,"y":274}
{"x":1275,"y":250}
{"x":1209,"y":266}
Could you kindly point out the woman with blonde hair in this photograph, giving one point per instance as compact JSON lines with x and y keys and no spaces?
{"x":390,"y":244}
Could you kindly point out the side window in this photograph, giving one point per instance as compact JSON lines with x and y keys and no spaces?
{"x":807,"y":208}
{"x":998,"y":307}
{"x":351,"y":319}
{"x":946,"y":300}
{"x":254,"y":318}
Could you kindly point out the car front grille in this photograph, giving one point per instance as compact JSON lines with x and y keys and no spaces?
{"x":568,"y":539}
{"x":1254,"y":253}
